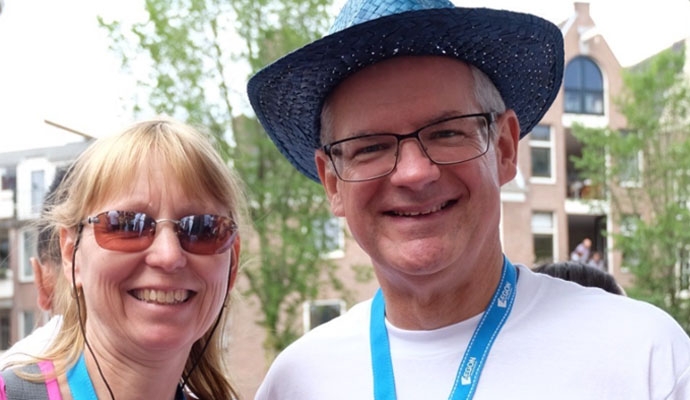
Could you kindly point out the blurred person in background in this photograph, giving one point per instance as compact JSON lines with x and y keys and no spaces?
{"x":582,"y":274}
{"x":581,"y":251}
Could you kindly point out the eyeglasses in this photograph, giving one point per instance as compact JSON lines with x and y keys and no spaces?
{"x":131,"y":231}
{"x":450,"y":141}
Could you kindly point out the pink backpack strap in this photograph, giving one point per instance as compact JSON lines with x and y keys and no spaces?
{"x":52,"y":386}
{"x":3,"y":393}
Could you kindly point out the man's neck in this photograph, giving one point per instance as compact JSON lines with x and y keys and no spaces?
{"x":423,"y":306}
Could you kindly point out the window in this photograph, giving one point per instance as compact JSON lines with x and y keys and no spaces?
{"x":27,"y":248}
{"x":27,"y":323}
{"x":628,"y":228}
{"x":4,"y":329}
{"x":318,"y":312}
{"x":630,"y":166}
{"x":584,"y":87}
{"x":629,"y":224}
{"x":33,"y":176}
{"x":330,"y":239}
{"x":629,"y":172}
{"x":541,"y":150}
{"x":4,"y":253}
{"x":38,"y":190}
{"x":543,"y":232}
{"x":8,"y":182}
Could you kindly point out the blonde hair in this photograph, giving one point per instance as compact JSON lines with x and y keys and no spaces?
{"x":96,"y":176}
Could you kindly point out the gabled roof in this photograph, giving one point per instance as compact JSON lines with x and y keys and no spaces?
{"x":56,"y":154}
{"x":679,"y":46}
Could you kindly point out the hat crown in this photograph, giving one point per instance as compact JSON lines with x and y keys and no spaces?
{"x":355,"y":12}
{"x":522,"y":54}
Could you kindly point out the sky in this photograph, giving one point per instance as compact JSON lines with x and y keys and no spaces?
{"x":55,"y":63}
{"x":634,"y":30}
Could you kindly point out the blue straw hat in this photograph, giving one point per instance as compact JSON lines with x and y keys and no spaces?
{"x":522,"y":54}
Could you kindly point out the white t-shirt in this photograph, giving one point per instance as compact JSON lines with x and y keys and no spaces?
{"x":34,"y":344}
{"x":561,"y":341}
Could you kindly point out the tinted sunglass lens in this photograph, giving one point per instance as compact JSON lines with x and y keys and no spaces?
{"x":131,"y":231}
{"x":206,"y":234}
{"x":123,"y":230}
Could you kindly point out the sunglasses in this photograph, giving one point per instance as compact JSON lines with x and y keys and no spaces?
{"x":131,"y":231}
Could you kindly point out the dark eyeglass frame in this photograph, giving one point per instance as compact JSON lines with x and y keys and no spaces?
{"x":489,"y":117}
{"x":205,"y":239}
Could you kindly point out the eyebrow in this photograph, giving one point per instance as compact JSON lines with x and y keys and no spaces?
{"x":436,"y":118}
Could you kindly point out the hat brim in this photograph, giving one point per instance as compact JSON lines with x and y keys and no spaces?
{"x":522,"y":54}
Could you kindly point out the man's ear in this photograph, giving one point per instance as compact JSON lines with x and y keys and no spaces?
{"x":68,"y":239}
{"x":234,"y":262}
{"x":329,"y":180}
{"x":508,"y":132}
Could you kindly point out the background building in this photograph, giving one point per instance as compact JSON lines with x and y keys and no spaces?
{"x":25,"y":176}
{"x":557,"y":207}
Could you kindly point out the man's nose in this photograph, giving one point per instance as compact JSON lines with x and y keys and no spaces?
{"x":414,"y":167}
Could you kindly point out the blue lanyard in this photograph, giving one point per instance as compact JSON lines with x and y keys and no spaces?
{"x":477,"y":351}
{"x":79,"y":382}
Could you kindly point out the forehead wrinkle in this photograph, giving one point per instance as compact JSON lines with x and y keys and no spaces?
{"x":402,"y":76}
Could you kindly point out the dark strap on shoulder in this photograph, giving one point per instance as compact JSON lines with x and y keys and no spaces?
{"x":20,"y":388}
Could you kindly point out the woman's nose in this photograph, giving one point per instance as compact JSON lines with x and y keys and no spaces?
{"x":165,"y":251}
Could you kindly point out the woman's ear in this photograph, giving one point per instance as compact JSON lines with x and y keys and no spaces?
{"x":68,"y":242}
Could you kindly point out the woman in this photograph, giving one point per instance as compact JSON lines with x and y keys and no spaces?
{"x":149,"y":240}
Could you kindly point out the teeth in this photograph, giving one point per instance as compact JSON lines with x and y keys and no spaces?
{"x":418,"y":213}
{"x":162,"y":296}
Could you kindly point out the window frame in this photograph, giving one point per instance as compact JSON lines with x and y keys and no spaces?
{"x":25,"y":330}
{"x":581,"y":91}
{"x":627,"y":226}
{"x":539,"y":231}
{"x":307,"y":315}
{"x":543,"y":144}
{"x":334,"y":232}
{"x":635,"y":162}
{"x":29,"y":201}
{"x":25,"y":270}
{"x":5,"y":329}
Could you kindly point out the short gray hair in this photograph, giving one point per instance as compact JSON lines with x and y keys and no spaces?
{"x":487,"y":95}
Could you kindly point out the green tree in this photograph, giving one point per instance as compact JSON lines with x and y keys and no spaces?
{"x":646,"y":170}
{"x":191,"y":51}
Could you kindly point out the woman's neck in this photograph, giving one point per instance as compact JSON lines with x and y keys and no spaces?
{"x":129,"y":379}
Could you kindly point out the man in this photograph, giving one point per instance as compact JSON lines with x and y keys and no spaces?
{"x":410,"y":114}
{"x":581,"y":252}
